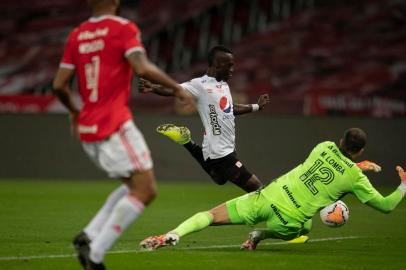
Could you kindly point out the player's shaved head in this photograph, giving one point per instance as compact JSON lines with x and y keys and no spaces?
{"x":102,"y":3}
{"x":354,"y":140}
{"x":213,"y":52}
{"x":104,"y":7}
{"x":93,"y":3}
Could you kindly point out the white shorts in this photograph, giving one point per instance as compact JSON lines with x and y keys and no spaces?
{"x":123,"y":153}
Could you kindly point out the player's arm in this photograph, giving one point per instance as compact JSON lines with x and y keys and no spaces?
{"x":388,"y":203}
{"x":146,"y":86}
{"x":144,"y":68}
{"x":61,"y":88}
{"x":248,"y":108}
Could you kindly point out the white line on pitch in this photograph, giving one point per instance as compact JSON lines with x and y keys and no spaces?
{"x":272,"y":243}
{"x":22,"y":258}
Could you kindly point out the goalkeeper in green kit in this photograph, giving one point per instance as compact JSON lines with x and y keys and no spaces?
{"x":288,"y":204}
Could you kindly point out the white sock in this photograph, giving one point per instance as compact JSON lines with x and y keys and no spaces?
{"x":124,"y":213}
{"x":95,"y":225}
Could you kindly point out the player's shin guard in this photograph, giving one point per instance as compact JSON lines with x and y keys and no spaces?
{"x":194,"y":224}
{"x":124,"y":213}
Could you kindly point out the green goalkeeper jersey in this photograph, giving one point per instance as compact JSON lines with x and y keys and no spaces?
{"x":324,"y":177}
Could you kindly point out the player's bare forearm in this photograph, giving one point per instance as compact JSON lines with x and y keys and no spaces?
{"x":144,"y":68}
{"x":66,"y":100}
{"x":162,"y":91}
{"x":153,"y":73}
{"x":239,"y":109}
{"x":146,"y":86}
{"x":62,"y":90}
{"x":247,"y":108}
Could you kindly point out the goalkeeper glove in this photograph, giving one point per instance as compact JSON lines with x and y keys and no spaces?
{"x":402,"y":175}
{"x":367,"y":165}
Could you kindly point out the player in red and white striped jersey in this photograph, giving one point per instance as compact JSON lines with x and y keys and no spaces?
{"x":103,"y":52}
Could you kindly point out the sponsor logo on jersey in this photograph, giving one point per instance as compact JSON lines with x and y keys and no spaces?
{"x":225,"y":105}
{"x":99,"y":32}
{"x":215,"y":126}
{"x":278,"y":214}
{"x":290,"y":195}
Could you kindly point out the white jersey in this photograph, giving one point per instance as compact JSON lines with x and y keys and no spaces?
{"x":215,"y":107}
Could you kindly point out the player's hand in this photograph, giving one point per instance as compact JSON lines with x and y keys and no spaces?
{"x":145,"y":86}
{"x":402,"y":174}
{"x":73,"y":119}
{"x":263,"y":100}
{"x":367,"y":166}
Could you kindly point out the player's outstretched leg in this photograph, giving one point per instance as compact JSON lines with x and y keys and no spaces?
{"x":180,"y":135}
{"x":197,"y":222}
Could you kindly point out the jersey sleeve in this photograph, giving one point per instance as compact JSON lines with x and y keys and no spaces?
{"x":131,"y":37}
{"x":363,"y":189}
{"x":388,"y":203}
{"x":192,"y":87}
{"x":68,"y":59}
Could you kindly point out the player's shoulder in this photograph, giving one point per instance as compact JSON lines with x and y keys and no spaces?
{"x":203,"y":80}
{"x":108,"y":19}
{"x":326,"y":144}
{"x":120,"y":20}
{"x":111,"y":21}
{"x":123,"y":23}
{"x":329,"y":147}
{"x":194,"y":81}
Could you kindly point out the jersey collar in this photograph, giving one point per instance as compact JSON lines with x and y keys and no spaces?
{"x":213,"y":78}
{"x":96,"y":19}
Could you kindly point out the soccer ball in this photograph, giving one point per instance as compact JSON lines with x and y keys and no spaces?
{"x":335,"y":215}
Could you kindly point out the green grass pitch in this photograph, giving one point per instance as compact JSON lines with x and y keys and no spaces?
{"x":39,"y":218}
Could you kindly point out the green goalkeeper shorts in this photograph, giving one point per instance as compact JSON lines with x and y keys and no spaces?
{"x":253,"y":208}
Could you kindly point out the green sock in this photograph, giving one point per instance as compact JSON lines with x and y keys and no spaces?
{"x":194,"y":224}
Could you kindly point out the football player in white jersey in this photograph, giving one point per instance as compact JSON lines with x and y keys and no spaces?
{"x":215,"y":105}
